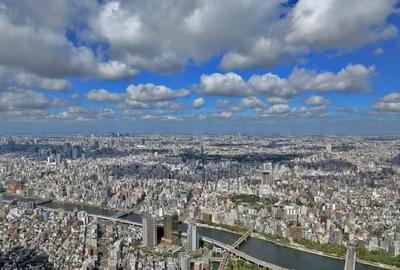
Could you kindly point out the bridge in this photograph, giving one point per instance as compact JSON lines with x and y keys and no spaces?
{"x":235,"y":245}
{"x":242,"y":255}
{"x":243,"y":238}
{"x":229,"y":249}
{"x":112,"y":218}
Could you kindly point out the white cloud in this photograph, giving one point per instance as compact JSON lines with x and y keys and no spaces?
{"x":271,"y":85}
{"x":10,"y":77}
{"x":379,"y":51}
{"x":30,"y":80}
{"x":151,"y":92}
{"x":229,"y":84}
{"x":316,"y":101}
{"x":388,"y":104}
{"x":189,"y":29}
{"x":82,"y":114}
{"x":278,"y":109}
{"x":352,"y":78}
{"x":249,"y":102}
{"x":115,"y":70}
{"x":198,"y":103}
{"x":224,"y":114}
{"x":44,"y":49}
{"x":340,"y":23}
{"x":113,"y":40}
{"x":23,"y":100}
{"x":103,"y":95}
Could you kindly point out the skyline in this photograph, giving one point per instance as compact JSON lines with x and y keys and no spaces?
{"x":194,"y":67}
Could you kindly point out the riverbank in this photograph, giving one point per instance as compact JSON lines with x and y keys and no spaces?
{"x":238,"y":232}
{"x":298,"y":247}
{"x":320,"y":253}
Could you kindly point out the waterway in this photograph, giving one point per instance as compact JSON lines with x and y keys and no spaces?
{"x":261,"y":249}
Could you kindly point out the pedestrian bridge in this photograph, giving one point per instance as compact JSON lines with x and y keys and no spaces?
{"x":243,"y":238}
{"x":243,"y":255}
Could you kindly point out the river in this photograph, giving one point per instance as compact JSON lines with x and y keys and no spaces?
{"x":261,"y":249}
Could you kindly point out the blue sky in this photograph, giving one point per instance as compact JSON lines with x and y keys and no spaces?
{"x":200,"y":66}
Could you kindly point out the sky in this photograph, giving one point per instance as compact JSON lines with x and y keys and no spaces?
{"x":200,"y":66}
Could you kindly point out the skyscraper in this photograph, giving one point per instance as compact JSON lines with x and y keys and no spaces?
{"x":267,"y":174}
{"x":192,"y":236}
{"x":170,"y":224}
{"x":149,"y":231}
{"x":184,"y":261}
{"x":328,"y":148}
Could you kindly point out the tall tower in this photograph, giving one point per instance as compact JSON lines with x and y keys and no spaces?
{"x":192,"y":236}
{"x":268,"y":176}
{"x":328,"y":148}
{"x":167,"y":228}
{"x":149,"y":231}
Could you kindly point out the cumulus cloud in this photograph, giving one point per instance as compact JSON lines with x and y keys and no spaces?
{"x":263,"y":52}
{"x":271,"y":85}
{"x":389,"y":104}
{"x":23,"y":100}
{"x":30,"y":80}
{"x":198,"y":103}
{"x":10,"y":77}
{"x":113,"y":40}
{"x":151,"y":92}
{"x":81,"y":114}
{"x":189,"y":30}
{"x":340,"y":23}
{"x":115,"y":70}
{"x":316,"y":101}
{"x":273,"y":32}
{"x":103,"y":95}
{"x":352,"y":78}
{"x":283,"y":110}
{"x":44,"y":49}
{"x":249,"y":102}
{"x":278,"y":109}
{"x":229,"y":84}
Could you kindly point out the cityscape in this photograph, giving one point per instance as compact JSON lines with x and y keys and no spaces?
{"x":125,"y":201}
{"x":199,"y":134}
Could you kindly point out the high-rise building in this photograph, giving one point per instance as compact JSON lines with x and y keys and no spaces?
{"x":75,"y":152}
{"x":184,"y":261}
{"x":192,"y":236}
{"x":167,"y":228}
{"x":149,"y":231}
{"x":170,"y":225}
{"x":328,"y":148}
{"x":267,"y":172}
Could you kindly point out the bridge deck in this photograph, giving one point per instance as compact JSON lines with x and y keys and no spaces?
{"x":241,"y":239}
{"x":243,"y":255}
